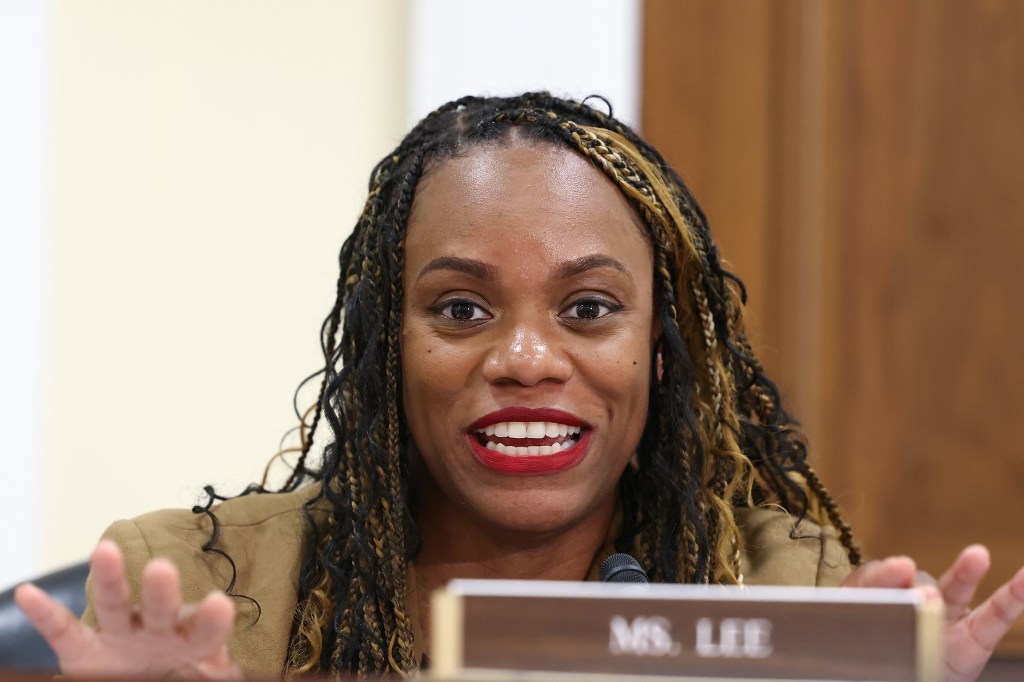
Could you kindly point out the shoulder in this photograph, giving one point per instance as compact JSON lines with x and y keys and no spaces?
{"x":168,"y":531}
{"x":780,"y":549}
{"x":257,"y":547}
{"x":247,"y":528}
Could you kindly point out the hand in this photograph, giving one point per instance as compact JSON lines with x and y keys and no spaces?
{"x":971,"y":635}
{"x":161,"y":639}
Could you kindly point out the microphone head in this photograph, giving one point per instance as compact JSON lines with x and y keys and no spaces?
{"x":622,"y":568}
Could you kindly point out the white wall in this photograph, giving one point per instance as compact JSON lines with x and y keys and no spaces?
{"x":25,"y":104}
{"x":207,"y":161}
{"x":568,"y":47}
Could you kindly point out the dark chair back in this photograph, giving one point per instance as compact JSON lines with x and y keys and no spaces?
{"x":21,"y":647}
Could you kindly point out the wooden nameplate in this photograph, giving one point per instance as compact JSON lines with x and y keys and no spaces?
{"x":525,"y":630}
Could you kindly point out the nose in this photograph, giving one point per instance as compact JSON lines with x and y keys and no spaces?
{"x":527,"y":355}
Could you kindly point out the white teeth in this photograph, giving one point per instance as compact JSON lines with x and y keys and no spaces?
{"x":517,"y":429}
{"x":529,"y":430}
{"x":529,"y":450}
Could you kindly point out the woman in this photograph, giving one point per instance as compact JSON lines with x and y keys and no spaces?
{"x":542,"y":360}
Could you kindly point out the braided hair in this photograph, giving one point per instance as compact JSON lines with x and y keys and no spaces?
{"x":716,"y":435}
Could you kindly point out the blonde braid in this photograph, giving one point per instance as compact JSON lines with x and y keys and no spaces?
{"x":728,"y":469}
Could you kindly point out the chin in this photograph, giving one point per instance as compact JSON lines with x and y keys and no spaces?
{"x":535,"y":513}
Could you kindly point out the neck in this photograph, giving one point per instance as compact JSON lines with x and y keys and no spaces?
{"x":456,"y":547}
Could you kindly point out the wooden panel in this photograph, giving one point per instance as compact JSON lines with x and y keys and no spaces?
{"x":712,"y":118}
{"x":861,"y":164}
{"x":926,"y":208}
{"x":723,"y":86}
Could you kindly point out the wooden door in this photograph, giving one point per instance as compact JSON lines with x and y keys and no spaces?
{"x":862,"y":165}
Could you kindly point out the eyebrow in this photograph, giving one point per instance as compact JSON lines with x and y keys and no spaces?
{"x":584,"y":263}
{"x":471,"y":267}
{"x":485,"y":272}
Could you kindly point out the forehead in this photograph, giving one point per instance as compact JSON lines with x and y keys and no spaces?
{"x":501,"y":199}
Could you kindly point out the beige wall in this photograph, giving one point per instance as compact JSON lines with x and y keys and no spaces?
{"x":209,"y":158}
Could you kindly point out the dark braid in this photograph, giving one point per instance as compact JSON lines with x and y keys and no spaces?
{"x":716,"y":435}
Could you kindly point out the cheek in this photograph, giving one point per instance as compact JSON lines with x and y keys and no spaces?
{"x":620,"y":370}
{"x":434,"y":375}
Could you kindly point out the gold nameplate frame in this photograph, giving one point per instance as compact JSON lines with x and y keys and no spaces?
{"x":526,"y":630}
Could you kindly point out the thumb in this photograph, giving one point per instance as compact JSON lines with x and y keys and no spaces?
{"x":892,"y":572}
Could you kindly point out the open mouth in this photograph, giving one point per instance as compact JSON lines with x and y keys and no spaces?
{"x":528,"y":439}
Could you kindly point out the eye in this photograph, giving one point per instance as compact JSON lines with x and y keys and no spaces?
{"x":461,"y":310}
{"x":590,"y":309}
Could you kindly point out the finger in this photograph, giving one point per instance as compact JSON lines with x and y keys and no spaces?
{"x":959,"y":583}
{"x":929,"y":594}
{"x":220,"y":672}
{"x":161,"y":597}
{"x":59,"y":627}
{"x":211,"y":624}
{"x":997,"y":614}
{"x":893,"y":572}
{"x":111,"y":600}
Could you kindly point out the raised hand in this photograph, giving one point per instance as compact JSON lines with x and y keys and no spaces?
{"x":159,"y":639}
{"x":971,"y":635}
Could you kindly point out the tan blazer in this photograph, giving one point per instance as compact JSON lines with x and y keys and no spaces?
{"x":264,"y":534}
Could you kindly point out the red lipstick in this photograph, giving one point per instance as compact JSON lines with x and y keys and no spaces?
{"x":529,"y":464}
{"x":527,"y":414}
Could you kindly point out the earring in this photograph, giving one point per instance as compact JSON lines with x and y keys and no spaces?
{"x":659,"y":362}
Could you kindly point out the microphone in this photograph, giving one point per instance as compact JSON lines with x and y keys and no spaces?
{"x":622,"y":568}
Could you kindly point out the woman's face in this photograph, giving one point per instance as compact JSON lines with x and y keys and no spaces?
{"x":526,"y":337}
